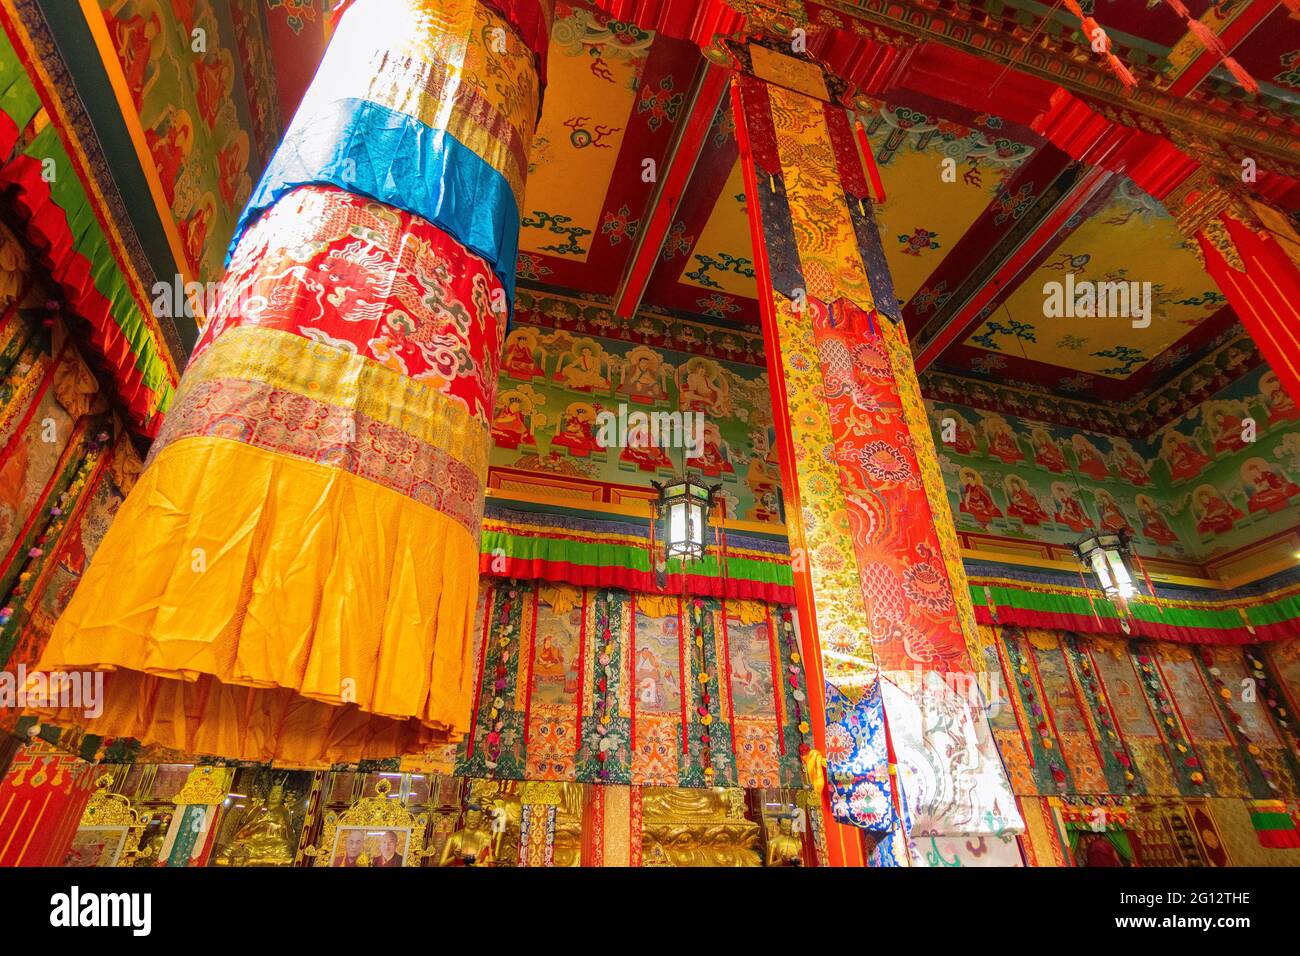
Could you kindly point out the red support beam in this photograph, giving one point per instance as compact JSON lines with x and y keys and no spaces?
{"x":673,"y":180}
{"x":1007,"y":276}
{"x":1236,"y":31}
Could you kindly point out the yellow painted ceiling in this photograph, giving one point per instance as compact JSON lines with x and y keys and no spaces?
{"x":910,"y":152}
{"x":726,"y":233}
{"x":1131,"y":238}
{"x":590,"y":94}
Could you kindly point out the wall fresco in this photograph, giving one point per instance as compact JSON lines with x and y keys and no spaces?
{"x":555,"y":385}
{"x":188,"y":90}
{"x":1220,"y":477}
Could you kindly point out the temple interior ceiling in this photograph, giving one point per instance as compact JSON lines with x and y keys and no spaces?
{"x":972,"y":200}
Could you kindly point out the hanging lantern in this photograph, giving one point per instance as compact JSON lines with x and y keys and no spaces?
{"x":686,"y":503}
{"x":1106,"y":555}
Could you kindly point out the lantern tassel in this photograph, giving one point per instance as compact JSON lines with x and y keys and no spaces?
{"x":1150,"y":587}
{"x":1245,"y":79}
{"x":1088,"y":593}
{"x":1209,"y":39}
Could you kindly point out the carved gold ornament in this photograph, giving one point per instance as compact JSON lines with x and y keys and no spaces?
{"x":205,"y":786}
{"x":112,"y":811}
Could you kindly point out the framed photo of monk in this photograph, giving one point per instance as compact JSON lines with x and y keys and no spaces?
{"x":370,"y":846}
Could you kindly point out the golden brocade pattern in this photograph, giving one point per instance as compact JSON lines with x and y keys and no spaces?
{"x":290,"y":362}
{"x":841,"y":614}
{"x":454,"y":65}
{"x":277,"y":391}
{"x":827,"y":244}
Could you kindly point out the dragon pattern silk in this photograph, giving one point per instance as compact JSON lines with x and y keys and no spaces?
{"x":888,"y":590}
{"x":293,"y":576}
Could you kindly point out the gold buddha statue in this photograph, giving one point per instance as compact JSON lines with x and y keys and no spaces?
{"x":265,"y":835}
{"x":472,"y":844}
{"x":783,"y":847}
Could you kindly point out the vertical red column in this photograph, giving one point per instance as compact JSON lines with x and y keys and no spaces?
{"x":41,"y":801}
{"x":1258,"y":269}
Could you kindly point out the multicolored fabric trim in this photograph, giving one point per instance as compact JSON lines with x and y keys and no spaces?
{"x":276,"y":391}
{"x":1231,"y":621}
{"x":591,"y":552}
{"x":399,"y":113}
{"x":857,"y":761}
{"x":74,"y":241}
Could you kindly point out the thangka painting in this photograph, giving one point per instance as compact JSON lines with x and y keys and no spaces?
{"x":601,"y":411}
{"x":1133,"y":718}
{"x":598,"y":685}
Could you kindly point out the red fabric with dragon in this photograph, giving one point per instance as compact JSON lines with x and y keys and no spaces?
{"x":913,"y":616}
{"x":363,"y":277}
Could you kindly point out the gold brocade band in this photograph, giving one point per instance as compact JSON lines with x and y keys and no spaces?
{"x":841,"y":612}
{"x":823,"y":232}
{"x":281,"y":392}
{"x":287,"y":361}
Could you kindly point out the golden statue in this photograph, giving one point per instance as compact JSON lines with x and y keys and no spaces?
{"x":471,"y":845}
{"x":503,"y":800}
{"x":783,"y":847}
{"x":265,"y":836}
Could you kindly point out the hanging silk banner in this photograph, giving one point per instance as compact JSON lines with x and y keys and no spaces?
{"x":293,"y":576}
{"x":857,"y":761}
{"x":871,"y":499}
{"x":949,"y":770}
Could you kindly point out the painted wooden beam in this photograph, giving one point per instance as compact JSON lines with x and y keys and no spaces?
{"x":672,"y":181}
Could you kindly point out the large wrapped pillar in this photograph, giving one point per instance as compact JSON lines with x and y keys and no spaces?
{"x":294,"y":575}
{"x":882,"y":594}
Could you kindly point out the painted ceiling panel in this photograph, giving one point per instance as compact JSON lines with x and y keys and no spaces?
{"x":615,"y":95}
{"x":1130,"y":239}
{"x":722,"y":258}
{"x":1271,"y":54}
{"x":593,"y":74}
{"x":923,"y":214}
{"x":706,"y":266}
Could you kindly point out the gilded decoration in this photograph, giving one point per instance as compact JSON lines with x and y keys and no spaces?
{"x":205,"y":786}
{"x":112,"y":817}
{"x":771,"y":16}
{"x":377,"y":813}
{"x":501,"y":804}
{"x":1198,"y":204}
{"x":697,"y":827}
